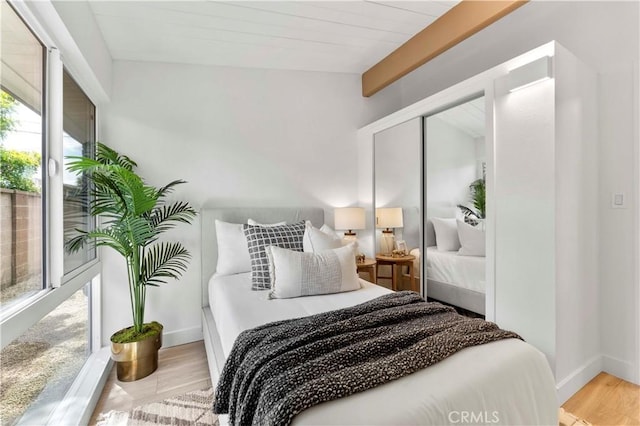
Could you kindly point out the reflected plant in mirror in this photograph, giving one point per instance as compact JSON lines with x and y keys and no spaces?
{"x":478,"y":190}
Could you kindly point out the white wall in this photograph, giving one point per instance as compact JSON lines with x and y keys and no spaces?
{"x":240,"y":137}
{"x":450,"y":167}
{"x":397,"y":177}
{"x":605,"y":35}
{"x":81,"y":24}
{"x":397,"y":165}
{"x":577,"y":284}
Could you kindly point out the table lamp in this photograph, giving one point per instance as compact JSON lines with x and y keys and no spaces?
{"x":349,"y":219}
{"x":388,"y":218}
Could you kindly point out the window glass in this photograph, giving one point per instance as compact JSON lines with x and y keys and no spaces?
{"x":21,"y":142}
{"x":38,"y":368}
{"x":78,"y":140}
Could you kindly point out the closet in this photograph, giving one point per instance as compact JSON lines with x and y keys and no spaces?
{"x":541,"y":182}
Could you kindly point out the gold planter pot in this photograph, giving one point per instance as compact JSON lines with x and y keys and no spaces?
{"x":136,"y":360}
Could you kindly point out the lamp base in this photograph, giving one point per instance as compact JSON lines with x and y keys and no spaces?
{"x":387,"y":242}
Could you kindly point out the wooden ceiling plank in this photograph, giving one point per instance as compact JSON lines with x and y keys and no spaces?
{"x":460,"y":22}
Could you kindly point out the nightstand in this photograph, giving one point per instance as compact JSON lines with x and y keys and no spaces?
{"x":396,"y":272}
{"x":368,"y":266}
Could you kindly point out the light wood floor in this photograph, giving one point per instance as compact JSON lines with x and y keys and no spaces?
{"x":180,"y":369}
{"x":605,"y":400}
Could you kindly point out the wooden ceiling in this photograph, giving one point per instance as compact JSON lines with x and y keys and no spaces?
{"x":333,"y":36}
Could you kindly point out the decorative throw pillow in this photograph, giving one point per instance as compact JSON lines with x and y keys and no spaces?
{"x":254,"y":223}
{"x":317,"y":240}
{"x":472,"y":239}
{"x":446,"y":232}
{"x":296,"y":274}
{"x":233,"y":253}
{"x":259,"y":238}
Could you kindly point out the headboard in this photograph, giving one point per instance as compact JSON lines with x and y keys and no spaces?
{"x":209,"y":242}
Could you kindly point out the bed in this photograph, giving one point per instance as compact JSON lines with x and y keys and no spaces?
{"x":507,"y":377}
{"x":456,"y":280}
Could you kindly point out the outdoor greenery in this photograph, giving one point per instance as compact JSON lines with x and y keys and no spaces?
{"x":134,"y":216}
{"x":17,"y":169}
{"x":7,"y":108}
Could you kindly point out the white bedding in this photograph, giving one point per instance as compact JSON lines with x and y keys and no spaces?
{"x":231,"y":294}
{"x":507,"y":382}
{"x":461,"y":271}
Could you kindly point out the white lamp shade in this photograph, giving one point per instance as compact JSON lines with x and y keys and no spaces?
{"x":349,"y":218}
{"x":389,"y":217}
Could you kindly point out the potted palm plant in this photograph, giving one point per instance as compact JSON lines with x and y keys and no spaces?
{"x":477,"y":213}
{"x":134,"y":215}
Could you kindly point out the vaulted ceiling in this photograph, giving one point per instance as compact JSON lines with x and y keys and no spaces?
{"x":334,"y":36}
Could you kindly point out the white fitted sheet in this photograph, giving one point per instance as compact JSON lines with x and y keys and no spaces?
{"x":235,"y":307}
{"x":508,"y":377}
{"x":461,"y":271}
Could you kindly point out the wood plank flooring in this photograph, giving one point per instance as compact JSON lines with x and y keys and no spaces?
{"x":180,"y":369}
{"x":605,"y":400}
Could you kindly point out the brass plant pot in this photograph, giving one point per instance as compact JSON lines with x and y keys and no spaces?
{"x":136,"y":360}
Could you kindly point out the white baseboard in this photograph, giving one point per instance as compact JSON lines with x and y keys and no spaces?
{"x":571,"y":384}
{"x":622,"y":369}
{"x":181,"y":337}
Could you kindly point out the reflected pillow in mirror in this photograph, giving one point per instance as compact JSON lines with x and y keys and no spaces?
{"x":472,"y":240}
{"x":446,"y":232}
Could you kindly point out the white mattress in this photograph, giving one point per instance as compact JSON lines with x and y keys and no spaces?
{"x":509,"y":381}
{"x":236,"y":308}
{"x":461,"y":271}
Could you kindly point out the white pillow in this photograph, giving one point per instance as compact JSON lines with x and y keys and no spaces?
{"x":446,"y":233}
{"x":472,"y":240}
{"x":295,"y":274}
{"x":233,"y":251}
{"x":254,"y":223}
{"x":315,"y":239}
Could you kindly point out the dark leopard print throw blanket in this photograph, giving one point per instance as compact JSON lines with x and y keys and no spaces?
{"x":277,"y":370}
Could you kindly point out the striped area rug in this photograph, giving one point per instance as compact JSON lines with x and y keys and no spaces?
{"x":192,"y":408}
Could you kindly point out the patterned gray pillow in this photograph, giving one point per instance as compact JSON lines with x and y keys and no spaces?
{"x":259,"y":238}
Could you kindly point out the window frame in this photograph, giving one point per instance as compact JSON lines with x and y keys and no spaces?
{"x":57,"y":287}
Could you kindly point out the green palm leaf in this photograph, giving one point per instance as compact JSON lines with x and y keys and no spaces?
{"x":161,"y":217}
{"x":164,"y":260}
{"x":133,"y":217}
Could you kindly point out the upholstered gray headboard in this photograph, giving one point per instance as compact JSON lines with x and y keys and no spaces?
{"x":208,"y":218}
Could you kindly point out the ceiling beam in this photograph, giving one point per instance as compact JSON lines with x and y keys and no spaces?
{"x":460,"y":22}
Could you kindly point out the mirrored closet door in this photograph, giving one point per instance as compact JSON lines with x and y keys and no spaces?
{"x":455,"y":210}
{"x":398,"y":200}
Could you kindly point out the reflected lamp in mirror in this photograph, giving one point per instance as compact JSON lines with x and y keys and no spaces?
{"x":388,"y":218}
{"x":349,"y":219}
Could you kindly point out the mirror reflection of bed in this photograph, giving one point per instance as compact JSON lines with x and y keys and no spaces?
{"x":447,"y":150}
{"x":397,"y":183}
{"x":455,"y":262}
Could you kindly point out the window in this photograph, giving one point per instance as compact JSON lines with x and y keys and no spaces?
{"x":21,"y":145}
{"x":39,"y":367}
{"x":50,"y":357}
{"x":78,"y":140}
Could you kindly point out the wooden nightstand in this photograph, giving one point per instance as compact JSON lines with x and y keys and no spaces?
{"x":396,"y":263}
{"x":368,"y":266}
